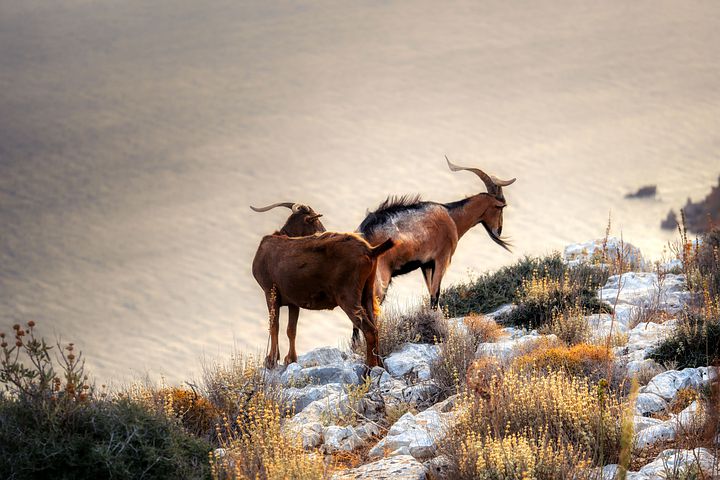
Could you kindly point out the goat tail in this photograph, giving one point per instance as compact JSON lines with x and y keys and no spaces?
{"x":378,"y":250}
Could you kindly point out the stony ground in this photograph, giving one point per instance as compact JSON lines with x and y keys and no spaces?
{"x":318,"y":386}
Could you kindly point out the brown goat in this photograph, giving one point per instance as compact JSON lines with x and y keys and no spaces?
{"x":302,"y":221}
{"x":319,"y":272}
{"x":427,"y":233}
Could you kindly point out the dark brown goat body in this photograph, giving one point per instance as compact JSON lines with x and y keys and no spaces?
{"x":428,"y":232}
{"x":320,"y":272}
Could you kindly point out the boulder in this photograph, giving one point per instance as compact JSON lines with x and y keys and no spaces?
{"x":302,"y":397}
{"x":414,"y":434}
{"x":641,"y":289}
{"x":651,"y":431}
{"x":602,"y":325}
{"x":649,"y":436}
{"x":440,"y":467}
{"x":400,"y":467}
{"x":676,"y":461}
{"x":321,"y":356}
{"x":667,"y":384}
{"x":321,"y":410}
{"x":648,"y":403}
{"x":647,"y":335}
{"x":368,"y":430}
{"x":310,"y":432}
{"x":412,"y":359}
{"x":591,"y":252}
{"x":340,"y":439}
{"x":640,"y":423}
{"x":343,"y":373}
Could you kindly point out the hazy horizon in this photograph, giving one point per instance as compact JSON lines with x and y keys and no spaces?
{"x":134,"y":136}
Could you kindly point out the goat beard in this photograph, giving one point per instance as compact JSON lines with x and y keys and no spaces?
{"x":503,"y":243}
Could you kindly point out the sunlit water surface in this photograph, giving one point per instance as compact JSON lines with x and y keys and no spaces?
{"x":134,"y":135}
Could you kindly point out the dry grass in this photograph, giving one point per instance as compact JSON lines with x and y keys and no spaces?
{"x":193,"y":411}
{"x":457,"y":352}
{"x":529,"y":455}
{"x":482,"y":373}
{"x":570,"y":326}
{"x":419,"y":324}
{"x":256,"y":447}
{"x":586,"y":360}
{"x":483,"y":328}
{"x":230,"y":387}
{"x":559,"y":422}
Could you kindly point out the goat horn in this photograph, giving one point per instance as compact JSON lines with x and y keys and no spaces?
{"x":502,"y":183}
{"x":491,"y":186}
{"x":290,"y":205}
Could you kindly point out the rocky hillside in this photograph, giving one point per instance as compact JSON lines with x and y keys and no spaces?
{"x":397,"y":422}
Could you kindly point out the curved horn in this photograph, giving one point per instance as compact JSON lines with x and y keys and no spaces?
{"x":491,"y":186}
{"x":502,"y":183}
{"x":290,"y":205}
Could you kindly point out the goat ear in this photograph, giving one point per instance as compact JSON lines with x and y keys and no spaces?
{"x":313,"y":218}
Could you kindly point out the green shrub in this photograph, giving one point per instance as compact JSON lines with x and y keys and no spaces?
{"x":53,"y":424}
{"x":101,"y":439}
{"x":491,"y":290}
{"x":694,"y":343}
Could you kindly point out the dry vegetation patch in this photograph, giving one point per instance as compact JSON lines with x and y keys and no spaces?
{"x":548,"y":425}
{"x":584,"y":359}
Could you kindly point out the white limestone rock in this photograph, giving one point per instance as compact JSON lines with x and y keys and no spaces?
{"x":412,"y":359}
{"x":667,"y":384}
{"x":643,"y":289}
{"x":317,"y":411}
{"x":647,"y":335}
{"x":676,"y":461}
{"x":415,"y":434}
{"x":602,"y":325}
{"x":322,"y":356}
{"x":368,"y":430}
{"x":640,"y":423}
{"x":400,"y":467}
{"x":663,"y":431}
{"x":634,"y":367}
{"x":648,"y":403}
{"x":311,"y":432}
{"x":504,"y":349}
{"x":302,"y":397}
{"x":344,"y":373}
{"x":591,"y":252}
{"x":338,"y":438}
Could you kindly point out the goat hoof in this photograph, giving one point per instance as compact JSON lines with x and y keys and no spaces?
{"x":270,"y":362}
{"x":288,"y":360}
